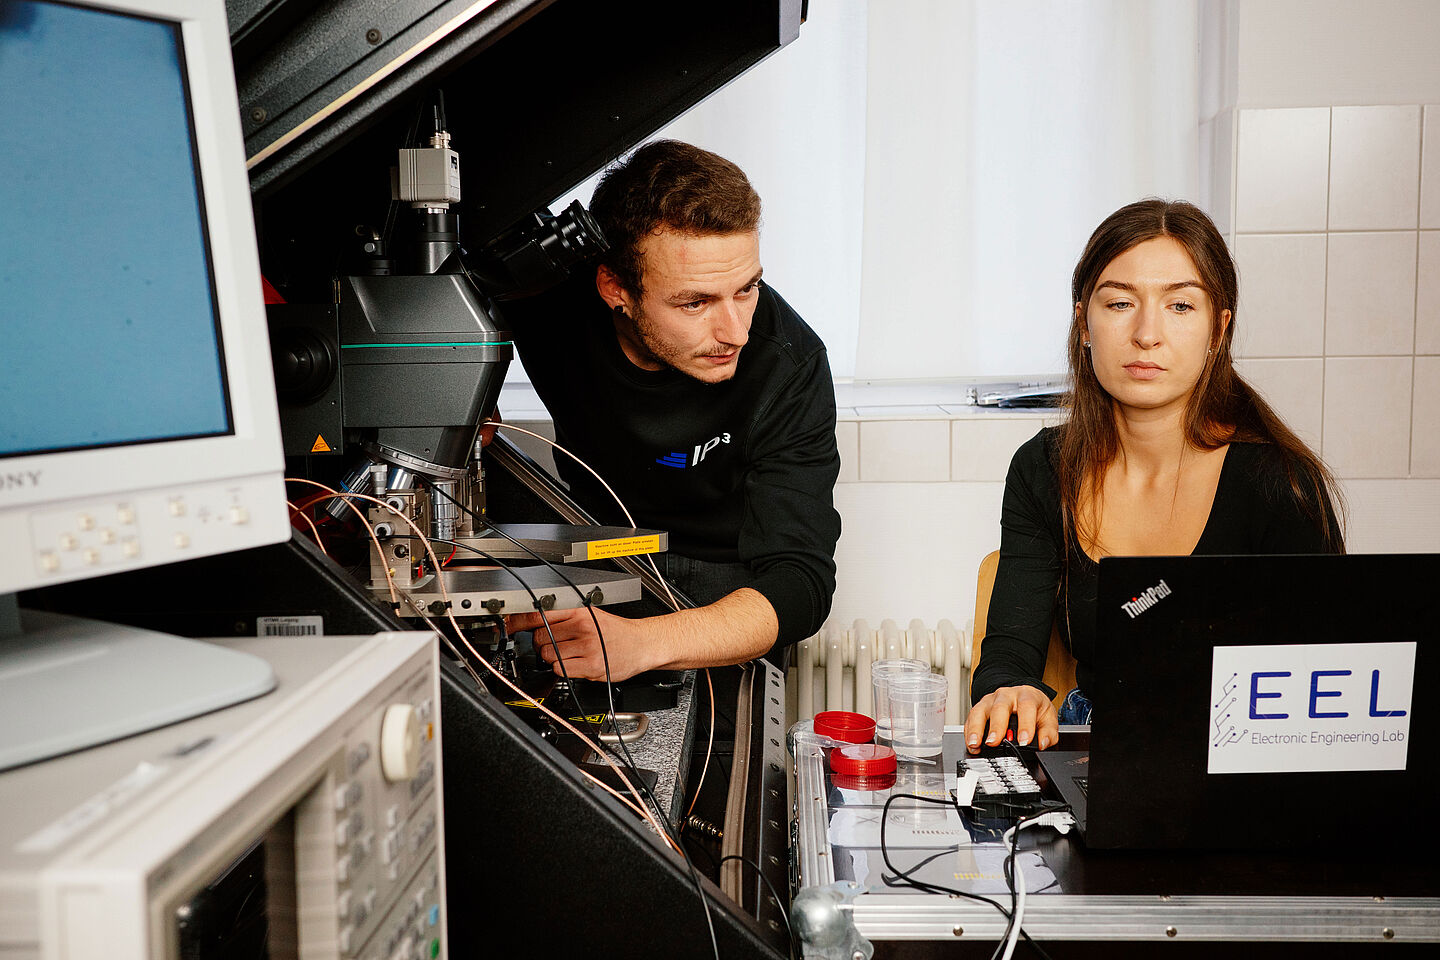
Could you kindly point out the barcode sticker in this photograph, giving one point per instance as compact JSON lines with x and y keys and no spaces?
{"x":312,"y":626}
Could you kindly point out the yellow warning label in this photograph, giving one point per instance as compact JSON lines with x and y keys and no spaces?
{"x":623,"y":547}
{"x":319,"y":446}
{"x":596,"y":718}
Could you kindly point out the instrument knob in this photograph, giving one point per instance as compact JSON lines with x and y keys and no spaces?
{"x":400,"y":731}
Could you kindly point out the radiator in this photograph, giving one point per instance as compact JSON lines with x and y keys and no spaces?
{"x":832,"y":668}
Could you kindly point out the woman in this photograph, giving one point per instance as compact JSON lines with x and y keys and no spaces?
{"x":1166,"y":451}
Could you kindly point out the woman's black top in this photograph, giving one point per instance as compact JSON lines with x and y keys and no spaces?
{"x":1255,"y":511}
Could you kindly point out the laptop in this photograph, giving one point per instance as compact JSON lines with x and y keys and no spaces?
{"x":1260,"y":702}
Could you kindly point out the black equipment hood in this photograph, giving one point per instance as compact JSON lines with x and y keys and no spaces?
{"x":539,"y":95}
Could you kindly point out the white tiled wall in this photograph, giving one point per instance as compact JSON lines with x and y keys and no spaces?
{"x":1383,"y":515}
{"x":1282,"y":278}
{"x":1367,"y":416}
{"x":1295,"y":387}
{"x":1425,"y":418}
{"x":1336,"y":214}
{"x":1282,"y":170}
{"x":919,"y":501}
{"x":1369,"y":294}
{"x":981,"y":446}
{"x":905,"y":451}
{"x":1427,"y":295}
{"x":1430,"y":170}
{"x":1374,"y":167}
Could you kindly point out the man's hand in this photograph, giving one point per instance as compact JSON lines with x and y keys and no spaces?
{"x":1034,"y":714}
{"x":579,"y":642}
{"x":739,"y":626}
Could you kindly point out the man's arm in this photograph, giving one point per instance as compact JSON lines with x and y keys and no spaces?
{"x":738,"y":627}
{"x":790,"y":526}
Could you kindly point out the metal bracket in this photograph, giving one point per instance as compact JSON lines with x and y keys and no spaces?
{"x":642,"y":724}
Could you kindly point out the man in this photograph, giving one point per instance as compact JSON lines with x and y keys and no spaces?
{"x":706,"y":402}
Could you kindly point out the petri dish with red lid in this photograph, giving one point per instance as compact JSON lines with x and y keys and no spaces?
{"x":863,"y":766}
{"x":845,"y":726}
{"x":862,"y":760}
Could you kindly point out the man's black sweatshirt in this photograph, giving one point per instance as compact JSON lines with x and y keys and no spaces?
{"x":740,"y":471}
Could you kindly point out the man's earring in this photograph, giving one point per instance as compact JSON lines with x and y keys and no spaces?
{"x":620,"y":313}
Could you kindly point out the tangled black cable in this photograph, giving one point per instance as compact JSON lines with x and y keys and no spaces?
{"x":904,"y":878}
{"x":629,"y":761}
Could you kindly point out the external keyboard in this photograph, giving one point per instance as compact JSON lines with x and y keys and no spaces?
{"x":1002,"y":779}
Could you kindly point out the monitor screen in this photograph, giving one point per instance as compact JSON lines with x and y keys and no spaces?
{"x":138,"y":418}
{"x":109,"y":318}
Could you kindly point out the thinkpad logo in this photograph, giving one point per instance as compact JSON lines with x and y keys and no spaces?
{"x":1146,"y":600}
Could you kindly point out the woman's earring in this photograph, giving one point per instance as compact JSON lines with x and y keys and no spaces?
{"x":1085,"y":344}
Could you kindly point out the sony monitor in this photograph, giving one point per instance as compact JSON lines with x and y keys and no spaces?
{"x":138,"y":422}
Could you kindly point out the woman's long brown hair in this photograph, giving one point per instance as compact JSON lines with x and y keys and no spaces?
{"x":1222,"y":407}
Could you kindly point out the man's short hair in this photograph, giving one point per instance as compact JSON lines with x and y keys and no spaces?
{"x":667,"y":184}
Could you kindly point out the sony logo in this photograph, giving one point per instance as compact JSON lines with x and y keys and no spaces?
{"x":20,"y":480}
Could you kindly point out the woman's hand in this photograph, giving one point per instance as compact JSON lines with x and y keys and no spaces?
{"x":1033,"y":711}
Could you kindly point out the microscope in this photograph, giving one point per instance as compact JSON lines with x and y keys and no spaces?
{"x":383,"y":392}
